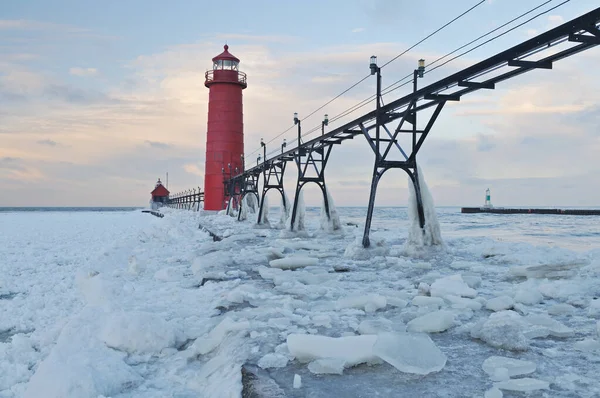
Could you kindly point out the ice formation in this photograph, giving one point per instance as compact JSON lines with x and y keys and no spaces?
{"x":264,"y":217}
{"x":286,"y":208}
{"x":331,"y":223}
{"x":299,"y":224}
{"x":431,"y":233}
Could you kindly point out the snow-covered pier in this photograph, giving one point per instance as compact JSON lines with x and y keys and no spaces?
{"x":503,"y":210}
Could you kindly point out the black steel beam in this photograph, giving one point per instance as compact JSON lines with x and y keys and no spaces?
{"x":585,"y":39}
{"x":440,"y":97}
{"x":489,"y":86}
{"x":530,"y":64}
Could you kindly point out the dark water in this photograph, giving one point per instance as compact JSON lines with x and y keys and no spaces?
{"x":65,"y":209}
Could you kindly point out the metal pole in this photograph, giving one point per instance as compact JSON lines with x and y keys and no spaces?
{"x":377,"y":111}
{"x":414,"y":134}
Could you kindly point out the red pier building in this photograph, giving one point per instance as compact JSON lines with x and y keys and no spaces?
{"x":225,"y":130}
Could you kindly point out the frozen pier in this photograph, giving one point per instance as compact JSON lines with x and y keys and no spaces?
{"x":500,"y":210}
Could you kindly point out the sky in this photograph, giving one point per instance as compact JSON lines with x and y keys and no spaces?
{"x":99,"y":99}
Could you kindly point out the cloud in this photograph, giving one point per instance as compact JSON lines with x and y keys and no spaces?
{"x":156,"y":144}
{"x":26,"y":24}
{"x":83,"y":71}
{"x":48,"y":142}
{"x":358,"y":30}
{"x":194,"y":169}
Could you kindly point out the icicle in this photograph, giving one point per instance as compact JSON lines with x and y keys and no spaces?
{"x":285,"y":210}
{"x":430,"y":235}
{"x":300,"y":215}
{"x":331,"y":223}
{"x":265,"y":212}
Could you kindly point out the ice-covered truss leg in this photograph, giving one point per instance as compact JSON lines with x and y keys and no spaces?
{"x":249,"y":187}
{"x":311,"y":162}
{"x":273,"y":179}
{"x":384,"y":148}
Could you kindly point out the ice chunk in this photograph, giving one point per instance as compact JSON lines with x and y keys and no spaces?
{"x":514,"y":367}
{"x":473,"y":281}
{"x":213,"y":339}
{"x":352,"y":349}
{"x":561,"y":309}
{"x":369,"y":302}
{"x":461,"y":302}
{"x":555,"y":328}
{"x":294,"y":262}
{"x":138,"y":332}
{"x":424,"y":288}
{"x":598,"y":328}
{"x":433,"y":322}
{"x":528,"y":295}
{"x":297,"y":381}
{"x":375,"y":326}
{"x":493,"y":393}
{"x":327,"y":366}
{"x":500,"y":374}
{"x":273,"y":360}
{"x":410,"y":352}
{"x":587,"y":345}
{"x":525,"y":384}
{"x":503,"y":329}
{"x":594,"y":309}
{"x":452,"y":285}
{"x":356,"y":251}
{"x":550,"y":271}
{"x":500,"y":303}
{"x":426,"y":301}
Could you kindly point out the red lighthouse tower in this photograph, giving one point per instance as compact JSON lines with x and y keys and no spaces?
{"x":225,"y":132}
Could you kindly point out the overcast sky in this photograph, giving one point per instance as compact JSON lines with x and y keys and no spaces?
{"x":98,"y":99}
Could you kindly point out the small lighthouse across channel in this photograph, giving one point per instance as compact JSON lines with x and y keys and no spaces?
{"x":225,"y":127}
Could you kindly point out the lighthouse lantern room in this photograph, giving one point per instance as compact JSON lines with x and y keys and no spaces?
{"x":225,"y":127}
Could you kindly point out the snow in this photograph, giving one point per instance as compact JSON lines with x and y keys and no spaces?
{"x":514,"y":367}
{"x":125,"y":304}
{"x":297,"y":381}
{"x":138,"y":332}
{"x":410,"y":352}
{"x":433,"y":322}
{"x":524,"y":384}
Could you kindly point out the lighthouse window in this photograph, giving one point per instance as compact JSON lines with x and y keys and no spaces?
{"x":227,"y":64}
{"x":218,"y":65}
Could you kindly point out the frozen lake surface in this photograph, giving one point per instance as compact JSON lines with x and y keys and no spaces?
{"x":123,"y":304}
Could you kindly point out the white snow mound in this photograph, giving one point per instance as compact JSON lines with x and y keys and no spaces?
{"x":138,"y":332}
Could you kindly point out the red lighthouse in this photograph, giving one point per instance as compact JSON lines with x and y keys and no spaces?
{"x":225,"y":132}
